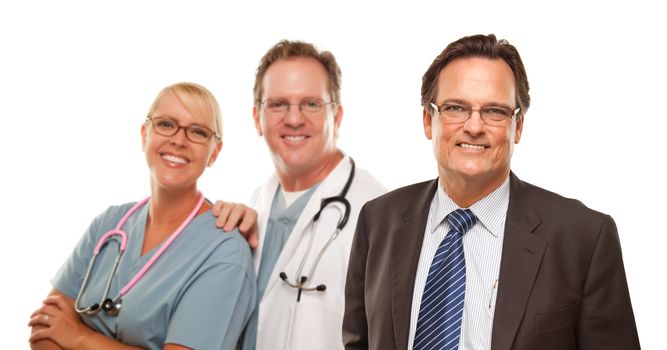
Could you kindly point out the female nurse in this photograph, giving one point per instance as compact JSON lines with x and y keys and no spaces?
{"x":180,"y":283}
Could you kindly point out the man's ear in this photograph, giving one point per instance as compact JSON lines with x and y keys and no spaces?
{"x":427,"y":120}
{"x":256,"y":117}
{"x":338,"y":118}
{"x":519,"y":129}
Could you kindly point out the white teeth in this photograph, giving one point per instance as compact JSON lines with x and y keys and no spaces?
{"x":294,"y":138}
{"x":467,"y":145}
{"x":174,"y":159}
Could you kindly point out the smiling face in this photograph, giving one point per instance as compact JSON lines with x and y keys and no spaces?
{"x":473,"y":152}
{"x":301,"y":145}
{"x":175,"y":163}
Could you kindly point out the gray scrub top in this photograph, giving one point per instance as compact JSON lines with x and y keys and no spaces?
{"x":200,"y":293}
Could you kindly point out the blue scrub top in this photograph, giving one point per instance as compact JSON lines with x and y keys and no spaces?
{"x":200,"y":293}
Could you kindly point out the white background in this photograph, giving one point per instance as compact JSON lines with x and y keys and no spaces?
{"x":77,"y":78}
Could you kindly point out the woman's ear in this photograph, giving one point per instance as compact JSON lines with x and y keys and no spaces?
{"x":214,"y":154}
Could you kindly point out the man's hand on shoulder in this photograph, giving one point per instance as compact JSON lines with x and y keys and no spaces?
{"x":231,"y":215}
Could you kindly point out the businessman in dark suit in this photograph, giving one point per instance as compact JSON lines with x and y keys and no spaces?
{"x":478,"y":259}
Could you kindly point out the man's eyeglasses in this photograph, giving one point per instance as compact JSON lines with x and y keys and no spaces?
{"x":453,"y":113}
{"x":309,"y":107}
{"x":166,"y":126}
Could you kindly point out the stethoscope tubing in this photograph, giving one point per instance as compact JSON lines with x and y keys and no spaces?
{"x":121,"y":250}
{"x":104,"y":239}
{"x":301,"y":281}
{"x":109,"y":235}
{"x":162,"y":248}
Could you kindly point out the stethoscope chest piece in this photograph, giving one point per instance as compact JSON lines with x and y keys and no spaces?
{"x":112,"y":307}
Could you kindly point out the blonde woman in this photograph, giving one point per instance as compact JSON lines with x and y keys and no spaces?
{"x":164,"y":277}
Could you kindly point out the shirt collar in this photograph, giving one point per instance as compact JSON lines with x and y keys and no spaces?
{"x":490,"y":210}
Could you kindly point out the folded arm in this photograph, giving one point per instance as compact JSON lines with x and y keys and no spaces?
{"x":57,"y":326}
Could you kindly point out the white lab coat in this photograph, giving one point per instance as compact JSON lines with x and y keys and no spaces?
{"x":316,"y":321}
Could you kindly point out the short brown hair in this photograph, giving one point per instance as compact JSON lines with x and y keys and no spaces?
{"x":486,"y":46}
{"x":287,"y":49}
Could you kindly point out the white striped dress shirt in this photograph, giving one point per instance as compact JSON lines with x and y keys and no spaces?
{"x":482,"y":246}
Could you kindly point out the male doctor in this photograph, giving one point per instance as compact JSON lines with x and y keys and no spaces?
{"x":301,"y":262}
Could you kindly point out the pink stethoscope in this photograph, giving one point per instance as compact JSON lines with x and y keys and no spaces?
{"x":112,"y":307}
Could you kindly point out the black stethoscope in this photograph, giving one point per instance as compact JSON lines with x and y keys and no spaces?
{"x":300,"y":284}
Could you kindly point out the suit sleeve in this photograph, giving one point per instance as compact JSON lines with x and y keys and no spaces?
{"x":606,"y":320}
{"x":355,"y":325}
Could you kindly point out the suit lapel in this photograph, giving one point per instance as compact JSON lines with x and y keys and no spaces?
{"x":521,"y":258}
{"x":406,"y":243}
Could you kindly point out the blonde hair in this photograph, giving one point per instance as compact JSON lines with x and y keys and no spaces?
{"x":196,"y":99}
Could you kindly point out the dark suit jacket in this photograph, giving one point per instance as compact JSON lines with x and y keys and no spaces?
{"x":562,"y":282}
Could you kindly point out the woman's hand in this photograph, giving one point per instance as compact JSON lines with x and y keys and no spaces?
{"x":58,"y":321}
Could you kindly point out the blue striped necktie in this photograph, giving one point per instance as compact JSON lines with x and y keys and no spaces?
{"x":441,"y":309}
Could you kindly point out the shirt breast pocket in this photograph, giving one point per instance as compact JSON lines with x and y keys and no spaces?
{"x":559,"y":318}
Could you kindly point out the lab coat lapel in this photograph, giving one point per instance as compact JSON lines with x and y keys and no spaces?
{"x":405,"y":250}
{"x":289,"y":257}
{"x":521,"y":258}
